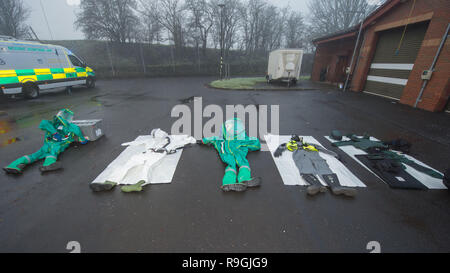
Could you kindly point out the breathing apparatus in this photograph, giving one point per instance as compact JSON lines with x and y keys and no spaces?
{"x":297,"y":141}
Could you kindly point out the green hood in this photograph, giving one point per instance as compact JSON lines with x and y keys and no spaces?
{"x":233,"y":129}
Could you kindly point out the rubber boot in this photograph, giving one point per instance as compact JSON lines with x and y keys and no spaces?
{"x":235,"y":187}
{"x":253,"y":183}
{"x":97,"y":187}
{"x":244,"y":176}
{"x":133,"y":188}
{"x":314,"y":184}
{"x":229,"y":181}
{"x":336,"y":188}
{"x":52,"y":167}
{"x":17,"y":166}
{"x":15,"y":170}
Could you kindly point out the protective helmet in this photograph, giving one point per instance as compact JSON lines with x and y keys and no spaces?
{"x":233,"y":129}
{"x":295,"y":138}
{"x":64,"y":116}
{"x":158,"y":133}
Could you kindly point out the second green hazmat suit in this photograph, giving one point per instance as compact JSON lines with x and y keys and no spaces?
{"x":233,"y":146}
{"x":59,"y":133}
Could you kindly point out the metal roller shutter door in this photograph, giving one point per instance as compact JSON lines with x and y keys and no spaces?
{"x":389,"y":72}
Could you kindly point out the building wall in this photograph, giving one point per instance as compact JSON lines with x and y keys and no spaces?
{"x":437,"y":12}
{"x":327,"y":56}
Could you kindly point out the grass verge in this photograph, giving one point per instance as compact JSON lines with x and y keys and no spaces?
{"x":238,"y":83}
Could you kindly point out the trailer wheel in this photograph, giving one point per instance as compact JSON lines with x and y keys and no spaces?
{"x":90,"y":82}
{"x":30,"y":91}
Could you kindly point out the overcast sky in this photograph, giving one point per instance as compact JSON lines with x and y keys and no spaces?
{"x":61,"y":16}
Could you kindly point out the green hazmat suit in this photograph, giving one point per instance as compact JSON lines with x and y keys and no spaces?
{"x":59,"y":133}
{"x":233,"y":146}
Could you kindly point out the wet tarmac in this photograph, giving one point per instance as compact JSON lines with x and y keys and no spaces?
{"x":42,"y":213}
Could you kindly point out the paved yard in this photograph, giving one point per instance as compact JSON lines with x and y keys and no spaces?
{"x":41,"y":213}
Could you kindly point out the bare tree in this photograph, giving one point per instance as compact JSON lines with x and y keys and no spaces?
{"x":273,"y":28}
{"x":264,"y":28}
{"x":152,"y":31}
{"x":13,"y":15}
{"x":230,"y":16}
{"x":252,"y":24}
{"x":114,"y":20}
{"x":328,"y":16}
{"x":201,"y":19}
{"x":170,"y":15}
{"x":295,"y":30}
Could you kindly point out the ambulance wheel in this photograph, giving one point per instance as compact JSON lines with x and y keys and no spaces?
{"x":90,"y":82}
{"x":30,"y":91}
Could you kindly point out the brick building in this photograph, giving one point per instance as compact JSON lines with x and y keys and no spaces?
{"x":398,"y":42}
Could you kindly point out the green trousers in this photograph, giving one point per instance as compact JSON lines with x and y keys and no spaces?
{"x":234,"y":154}
{"x":237,"y":168}
{"x":49,"y":151}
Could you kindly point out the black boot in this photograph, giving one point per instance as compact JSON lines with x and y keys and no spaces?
{"x":235,"y":187}
{"x":254,"y":182}
{"x":96,"y":187}
{"x":314,"y":184}
{"x":13,"y":170}
{"x":336,"y":188}
{"x":53,"y":167}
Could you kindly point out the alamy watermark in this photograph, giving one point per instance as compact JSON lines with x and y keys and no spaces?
{"x":374,"y":247}
{"x":190,"y":121}
{"x":74,"y":247}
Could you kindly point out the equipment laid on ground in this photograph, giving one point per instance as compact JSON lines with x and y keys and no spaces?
{"x":284,"y":65}
{"x":28,"y":67}
{"x":149,"y":159}
{"x":233,"y":145}
{"x":391,"y":171}
{"x":382,"y":151}
{"x":91,"y":128}
{"x":310,"y":164}
{"x":289,"y":172}
{"x":59,"y":133}
{"x":389,"y":161}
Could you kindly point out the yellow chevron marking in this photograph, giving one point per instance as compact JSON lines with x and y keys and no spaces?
{"x":42,"y":71}
{"x":81,"y":74}
{"x":8,"y":73}
{"x":69,"y":70}
{"x":24,"y":79}
{"x":59,"y":76}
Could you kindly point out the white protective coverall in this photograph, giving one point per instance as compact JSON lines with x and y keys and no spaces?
{"x":139,"y":161}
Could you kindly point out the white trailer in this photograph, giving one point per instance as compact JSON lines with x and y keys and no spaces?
{"x":284,"y":65}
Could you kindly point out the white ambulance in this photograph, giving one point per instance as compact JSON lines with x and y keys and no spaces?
{"x":27,"y":67}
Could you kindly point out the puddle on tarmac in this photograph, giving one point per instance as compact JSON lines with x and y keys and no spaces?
{"x":8,"y":128}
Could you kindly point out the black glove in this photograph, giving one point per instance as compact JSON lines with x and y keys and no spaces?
{"x":278,"y":152}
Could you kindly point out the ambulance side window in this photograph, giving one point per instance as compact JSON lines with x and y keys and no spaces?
{"x":75,"y":61}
